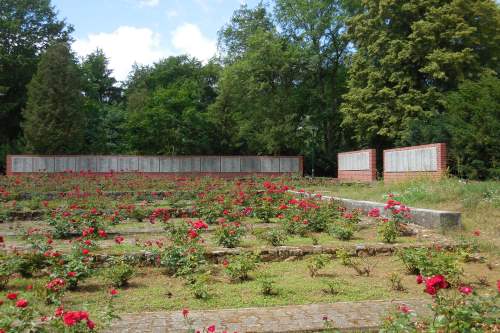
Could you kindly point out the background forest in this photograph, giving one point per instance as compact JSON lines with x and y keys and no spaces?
{"x":309,"y":77}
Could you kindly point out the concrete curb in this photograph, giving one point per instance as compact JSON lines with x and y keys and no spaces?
{"x":428,"y":218}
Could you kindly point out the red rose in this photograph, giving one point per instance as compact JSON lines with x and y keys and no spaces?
{"x":192,"y":234}
{"x":59,"y":311}
{"x":69,"y":319}
{"x":90,"y":324}
{"x":12,"y":296}
{"x":477,"y":233}
{"x":420,"y":279}
{"x":119,"y":239}
{"x":211,"y":329}
{"x":404,"y":309}
{"x":185,"y":312}
{"x":435,"y":283}
{"x":22,"y":303}
{"x":466,"y":290}
{"x":85,"y":251}
{"x":374,"y":212}
{"x":113,"y":292}
{"x":71,"y":274}
{"x":498,"y":285}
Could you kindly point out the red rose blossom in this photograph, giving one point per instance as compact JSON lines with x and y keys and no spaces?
{"x":433,"y":284}
{"x":466,"y":290}
{"x":12,"y":296}
{"x":22,"y":303}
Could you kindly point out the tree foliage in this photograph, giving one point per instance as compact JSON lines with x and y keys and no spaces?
{"x":54,"y":117}
{"x":408,"y":54}
{"x":27,"y":28}
{"x":472,"y":121}
{"x":167,"y":104}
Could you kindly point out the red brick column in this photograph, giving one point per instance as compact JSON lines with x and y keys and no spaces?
{"x":8,"y":165}
{"x":366,"y":175}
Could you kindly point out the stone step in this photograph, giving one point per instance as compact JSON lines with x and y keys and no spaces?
{"x":365,"y":316}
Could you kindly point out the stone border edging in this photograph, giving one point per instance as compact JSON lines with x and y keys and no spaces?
{"x":279,"y":253}
{"x":429,"y":218}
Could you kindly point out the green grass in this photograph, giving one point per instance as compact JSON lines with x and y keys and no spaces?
{"x":479,"y":202}
{"x":152,"y":290}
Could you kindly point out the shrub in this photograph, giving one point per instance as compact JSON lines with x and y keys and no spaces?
{"x":119,"y":274}
{"x":317,"y":262}
{"x":294,"y":223}
{"x":199,"y":286}
{"x":275,"y":237}
{"x":229,"y":234}
{"x":28,"y":263}
{"x":182,"y":260}
{"x":362,"y":266}
{"x":264,"y":210}
{"x":342,"y":231}
{"x":318,"y":219}
{"x":396,"y":282}
{"x":238,"y":267}
{"x":7,"y":268}
{"x":333,"y":286}
{"x":429,"y":262}
{"x":344,"y":256}
{"x":388,"y":230}
{"x":454,"y":310}
{"x":267,"y":285}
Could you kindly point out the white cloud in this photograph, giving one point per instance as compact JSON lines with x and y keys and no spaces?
{"x":124,"y":46}
{"x":128,"y":45}
{"x":149,"y":3}
{"x":172,"y":13}
{"x":189,"y":39}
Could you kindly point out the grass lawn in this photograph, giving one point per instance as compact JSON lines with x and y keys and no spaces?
{"x":152,"y":290}
{"x":479,"y":202}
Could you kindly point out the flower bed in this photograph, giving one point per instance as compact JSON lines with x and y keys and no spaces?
{"x":209,"y":243}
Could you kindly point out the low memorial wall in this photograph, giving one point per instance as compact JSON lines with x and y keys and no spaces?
{"x":210,"y":165}
{"x":357,"y":165}
{"x":415,"y":161}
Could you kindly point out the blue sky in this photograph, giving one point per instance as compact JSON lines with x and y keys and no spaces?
{"x":144,"y":31}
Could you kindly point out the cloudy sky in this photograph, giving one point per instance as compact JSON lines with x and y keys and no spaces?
{"x":144,"y":31}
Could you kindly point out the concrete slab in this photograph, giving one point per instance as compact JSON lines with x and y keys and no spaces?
{"x":428,"y":218}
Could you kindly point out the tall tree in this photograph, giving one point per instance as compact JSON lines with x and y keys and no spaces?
{"x":26,"y":29}
{"x":472,"y":121}
{"x":317,"y":29}
{"x":166,"y":106}
{"x":408,"y":54}
{"x":235,"y":36}
{"x":102,"y":96}
{"x":54,"y":116}
{"x":256,"y":110}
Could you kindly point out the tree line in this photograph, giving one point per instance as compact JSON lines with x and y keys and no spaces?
{"x":310,"y":77}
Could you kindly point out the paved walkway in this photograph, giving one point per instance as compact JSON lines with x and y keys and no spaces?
{"x":345,"y":316}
